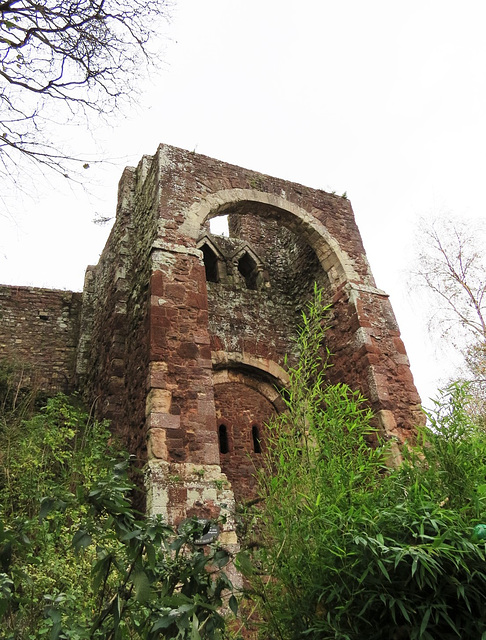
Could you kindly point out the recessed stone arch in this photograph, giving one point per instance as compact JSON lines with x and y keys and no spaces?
{"x":244,"y":404}
{"x":334,"y":260}
{"x":214,"y":261}
{"x":249,"y":266}
{"x":267,"y":390}
{"x":264,"y":369}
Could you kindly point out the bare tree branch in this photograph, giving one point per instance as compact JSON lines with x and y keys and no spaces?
{"x":81,"y":55}
{"x":451,"y":267}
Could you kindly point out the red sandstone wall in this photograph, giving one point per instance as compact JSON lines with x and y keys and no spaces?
{"x":39,"y":328}
{"x":240,"y":408}
{"x":374,"y":360}
{"x":190,"y":177}
{"x":257,"y":323}
{"x":179,"y":339}
{"x":114,"y":350}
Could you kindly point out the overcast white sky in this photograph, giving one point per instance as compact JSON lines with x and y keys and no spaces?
{"x":385,"y":100}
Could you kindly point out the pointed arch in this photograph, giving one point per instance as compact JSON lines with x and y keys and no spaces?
{"x":248,"y":270}
{"x":213,"y":259}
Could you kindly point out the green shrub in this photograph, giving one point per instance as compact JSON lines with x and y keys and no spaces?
{"x":352,"y":549}
{"x":76,"y":560}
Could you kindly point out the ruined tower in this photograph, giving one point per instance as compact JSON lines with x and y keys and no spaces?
{"x":180,"y":335}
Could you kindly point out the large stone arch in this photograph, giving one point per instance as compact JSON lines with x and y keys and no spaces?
{"x":335,"y":262}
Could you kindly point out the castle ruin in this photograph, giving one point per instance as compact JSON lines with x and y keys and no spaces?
{"x":179,"y":335}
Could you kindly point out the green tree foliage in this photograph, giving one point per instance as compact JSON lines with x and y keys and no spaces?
{"x":76,"y":560}
{"x":352,"y":549}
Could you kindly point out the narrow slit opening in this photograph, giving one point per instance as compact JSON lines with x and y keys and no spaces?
{"x":223,"y":439}
{"x":255,"y":434}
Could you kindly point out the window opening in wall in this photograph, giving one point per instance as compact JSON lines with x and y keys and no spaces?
{"x":223,"y":439}
{"x":219,"y":226}
{"x":248,"y":269}
{"x":211,"y":263}
{"x":255,"y":434}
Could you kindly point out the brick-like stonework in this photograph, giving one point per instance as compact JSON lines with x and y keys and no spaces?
{"x":183,"y":334}
{"x":39,"y":328}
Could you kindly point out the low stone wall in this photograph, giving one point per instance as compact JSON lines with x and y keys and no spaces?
{"x":39,"y":330}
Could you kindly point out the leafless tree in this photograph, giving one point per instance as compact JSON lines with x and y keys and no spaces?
{"x":61,"y":59}
{"x":451,"y":267}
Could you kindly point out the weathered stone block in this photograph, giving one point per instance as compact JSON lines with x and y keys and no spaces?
{"x":157,"y":445}
{"x":163,"y":421}
{"x":158,"y":401}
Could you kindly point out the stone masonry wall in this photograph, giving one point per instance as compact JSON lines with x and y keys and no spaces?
{"x":113,"y":363}
{"x":171,"y":347}
{"x":39,"y":330}
{"x":241,"y":412}
{"x":374,"y":360}
{"x":326,"y":223}
{"x":102,"y":355}
{"x":292,"y":264}
{"x":264,"y":321}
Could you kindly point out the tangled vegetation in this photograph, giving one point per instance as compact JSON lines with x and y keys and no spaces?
{"x":344,"y":546}
{"x":352,"y":549}
{"x":76,"y":560}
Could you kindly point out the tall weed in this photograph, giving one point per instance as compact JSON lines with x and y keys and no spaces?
{"x":352,"y":549}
